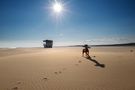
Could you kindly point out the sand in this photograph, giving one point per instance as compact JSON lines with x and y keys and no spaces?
{"x":65,"y":69}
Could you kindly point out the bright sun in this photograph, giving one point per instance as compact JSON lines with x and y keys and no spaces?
{"x":57,"y":7}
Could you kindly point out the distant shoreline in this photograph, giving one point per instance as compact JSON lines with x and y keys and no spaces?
{"x":105,"y":45}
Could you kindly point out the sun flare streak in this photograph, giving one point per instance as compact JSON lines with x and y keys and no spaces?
{"x":58,"y":10}
{"x":57,"y":7}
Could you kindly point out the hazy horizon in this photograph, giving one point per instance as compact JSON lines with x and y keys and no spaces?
{"x":13,"y":44}
{"x":26,"y":23}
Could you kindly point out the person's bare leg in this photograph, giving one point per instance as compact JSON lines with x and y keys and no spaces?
{"x":88,"y":56}
{"x":88,"y":53}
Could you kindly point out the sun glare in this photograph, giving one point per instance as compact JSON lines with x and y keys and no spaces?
{"x":57,"y":7}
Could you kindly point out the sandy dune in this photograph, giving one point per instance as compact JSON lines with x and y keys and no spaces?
{"x":66,"y":69}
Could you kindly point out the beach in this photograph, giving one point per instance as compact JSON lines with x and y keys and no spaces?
{"x":64,"y":68}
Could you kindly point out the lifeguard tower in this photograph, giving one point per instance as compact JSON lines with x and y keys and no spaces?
{"x":48,"y":43}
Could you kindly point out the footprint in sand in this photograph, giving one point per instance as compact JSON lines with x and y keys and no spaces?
{"x":94,"y":56}
{"x":15,"y":88}
{"x":19,"y":82}
{"x":131,"y":51}
{"x":79,"y":61}
{"x":56,"y":72}
{"x":45,"y":79}
{"x":60,"y":72}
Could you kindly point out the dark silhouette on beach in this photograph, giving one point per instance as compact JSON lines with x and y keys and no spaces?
{"x":85,"y":50}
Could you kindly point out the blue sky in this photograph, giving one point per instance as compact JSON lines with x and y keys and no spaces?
{"x":28,"y":22}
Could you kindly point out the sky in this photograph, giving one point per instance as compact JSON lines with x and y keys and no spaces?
{"x":26,"y":23}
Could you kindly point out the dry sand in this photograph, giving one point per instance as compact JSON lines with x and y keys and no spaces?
{"x":66,"y":69}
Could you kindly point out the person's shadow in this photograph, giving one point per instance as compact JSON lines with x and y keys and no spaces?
{"x":96,"y":62}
